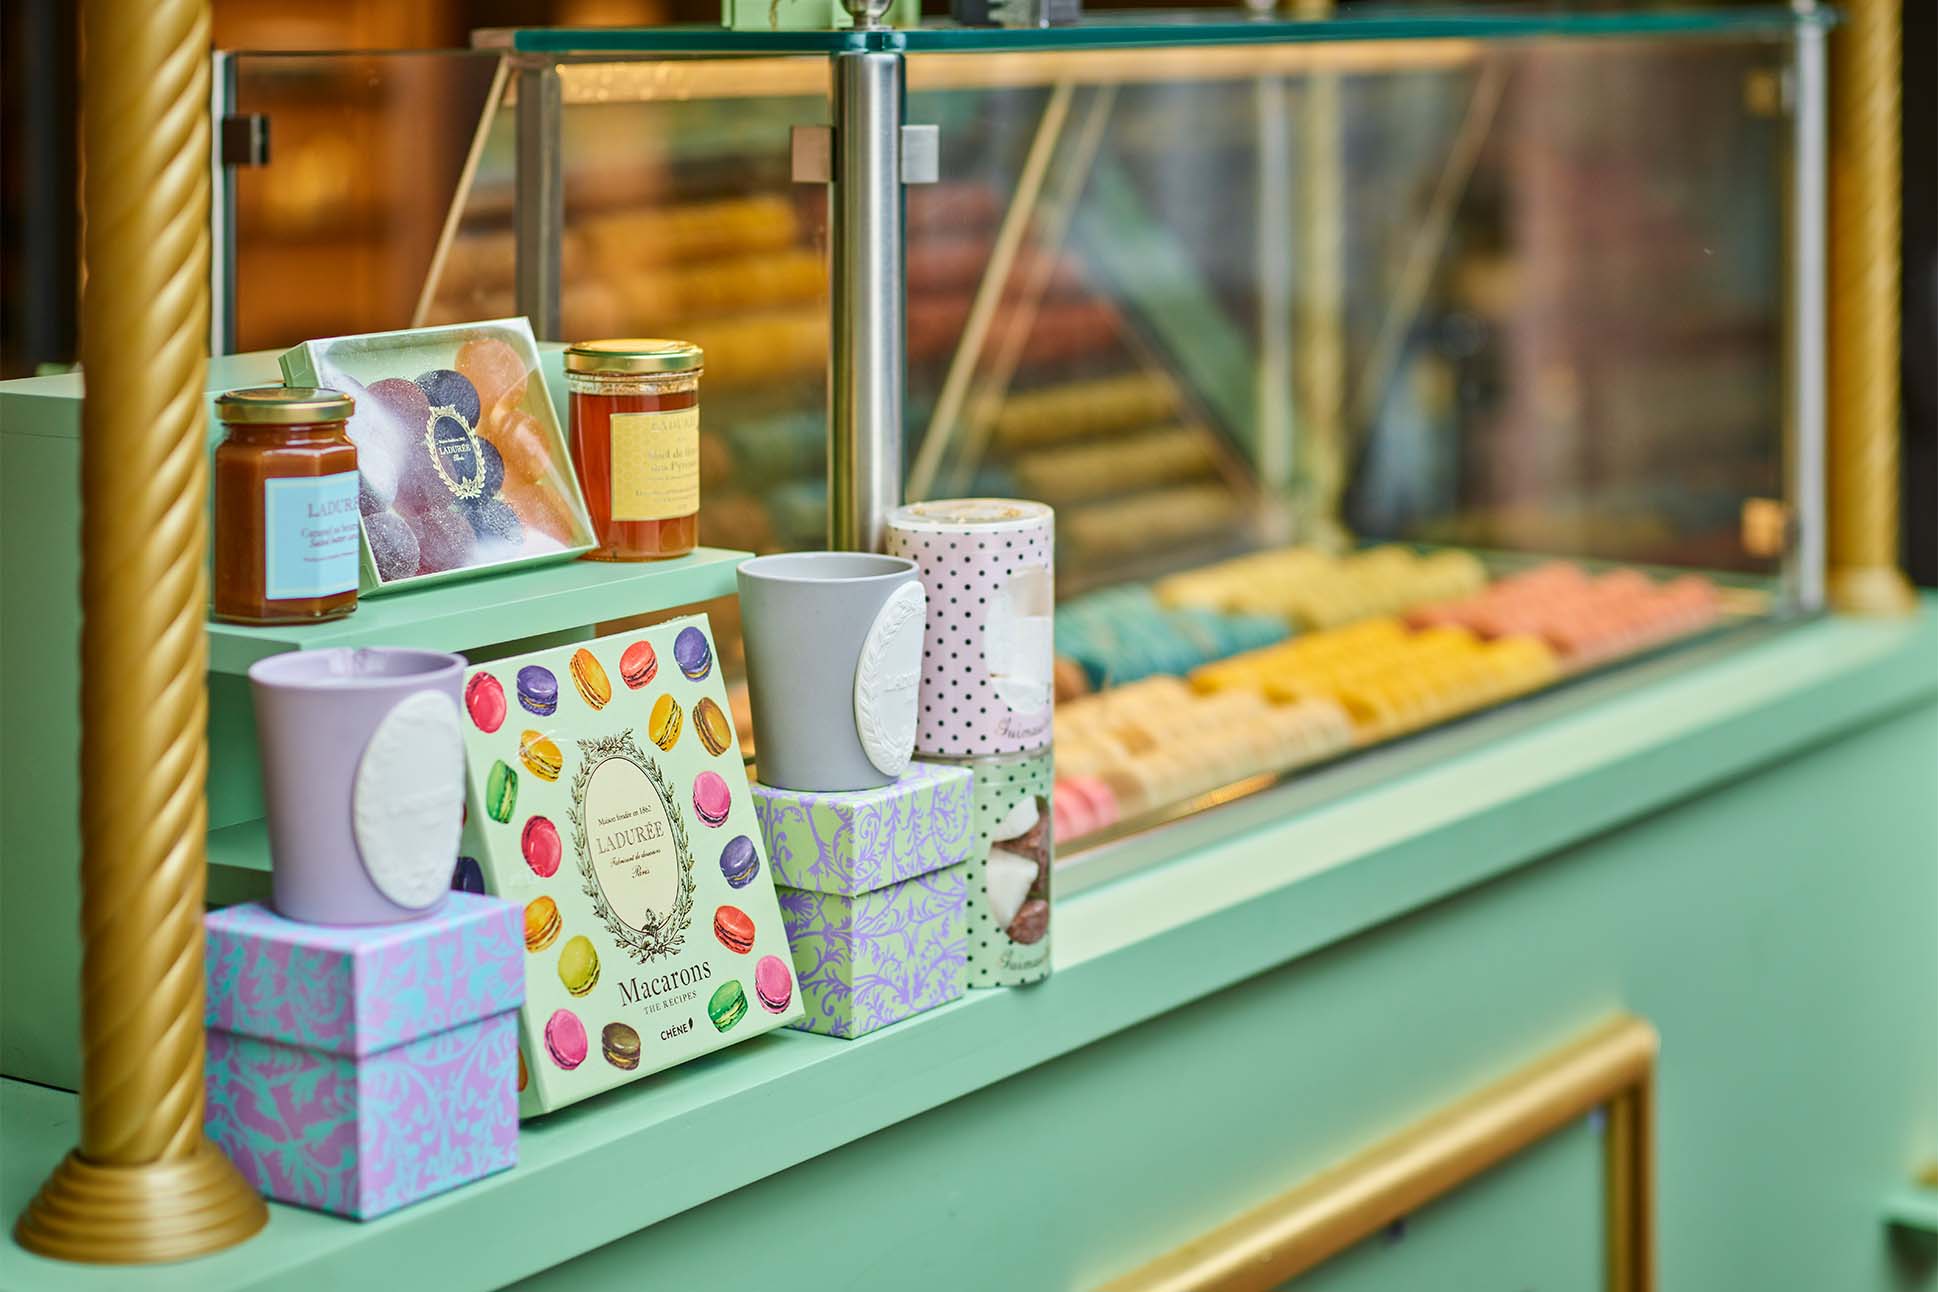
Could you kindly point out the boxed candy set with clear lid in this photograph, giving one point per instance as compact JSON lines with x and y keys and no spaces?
{"x":462,"y":463}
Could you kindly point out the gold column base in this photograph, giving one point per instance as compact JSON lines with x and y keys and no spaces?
{"x":1880,"y":590}
{"x":169,"y":1210}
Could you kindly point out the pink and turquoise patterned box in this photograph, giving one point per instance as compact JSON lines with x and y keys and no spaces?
{"x":357,"y":1070}
{"x":872,"y":886}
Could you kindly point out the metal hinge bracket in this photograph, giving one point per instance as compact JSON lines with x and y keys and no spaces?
{"x":811,"y":154}
{"x":245,"y":139}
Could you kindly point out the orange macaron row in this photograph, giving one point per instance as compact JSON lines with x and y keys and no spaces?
{"x":1586,"y":618}
{"x":1158,"y":742}
{"x":1387,"y":679}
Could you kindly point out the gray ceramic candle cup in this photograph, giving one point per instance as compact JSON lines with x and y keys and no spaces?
{"x":363,"y":781}
{"x":834,"y":659}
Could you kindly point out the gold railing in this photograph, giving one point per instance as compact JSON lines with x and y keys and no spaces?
{"x":1613,"y":1066}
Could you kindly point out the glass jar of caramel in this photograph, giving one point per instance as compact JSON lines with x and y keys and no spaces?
{"x":287,"y":533}
{"x":636,"y":444}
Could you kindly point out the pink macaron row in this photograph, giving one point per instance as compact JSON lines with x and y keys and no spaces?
{"x":1585,"y":619}
{"x":1677,"y":609}
{"x":1082,"y":805}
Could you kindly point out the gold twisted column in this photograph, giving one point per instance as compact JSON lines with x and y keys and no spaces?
{"x":146,"y":1184}
{"x":1866,"y":98}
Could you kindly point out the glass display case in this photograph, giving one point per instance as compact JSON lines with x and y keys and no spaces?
{"x":1381,"y":369}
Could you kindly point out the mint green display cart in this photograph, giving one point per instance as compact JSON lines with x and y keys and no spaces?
{"x":1631,"y":980}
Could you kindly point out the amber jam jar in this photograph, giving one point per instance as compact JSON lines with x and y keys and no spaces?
{"x":636,"y":444}
{"x":287,"y":527}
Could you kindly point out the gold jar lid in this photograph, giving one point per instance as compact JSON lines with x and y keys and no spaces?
{"x":283,"y":406}
{"x":638,"y":356}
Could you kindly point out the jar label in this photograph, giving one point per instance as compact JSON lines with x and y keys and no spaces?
{"x":310,"y":531}
{"x":656,"y":464}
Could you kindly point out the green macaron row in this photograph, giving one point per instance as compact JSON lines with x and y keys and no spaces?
{"x":1122,"y":634}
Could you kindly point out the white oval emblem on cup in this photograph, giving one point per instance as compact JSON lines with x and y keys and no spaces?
{"x":888,"y":679}
{"x":406,"y":804}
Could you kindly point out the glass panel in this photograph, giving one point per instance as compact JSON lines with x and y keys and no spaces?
{"x":1389,"y":323}
{"x":682,"y":221}
{"x":336,"y":233}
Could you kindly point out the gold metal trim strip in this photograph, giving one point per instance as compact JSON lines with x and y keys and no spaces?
{"x":666,"y":79}
{"x":1612,"y":1065}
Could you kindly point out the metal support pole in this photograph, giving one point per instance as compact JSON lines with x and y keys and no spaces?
{"x":1319,"y":357}
{"x":1272,"y":447}
{"x":1805,"y":425}
{"x":867,"y":355}
{"x":538,"y":213}
{"x":222,"y":210}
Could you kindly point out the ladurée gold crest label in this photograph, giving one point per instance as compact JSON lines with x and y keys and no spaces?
{"x":632,"y":847}
{"x":455,"y":455}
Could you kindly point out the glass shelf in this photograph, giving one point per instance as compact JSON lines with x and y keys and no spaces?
{"x":492,"y":608}
{"x":1158,"y":29}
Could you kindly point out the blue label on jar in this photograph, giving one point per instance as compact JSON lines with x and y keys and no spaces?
{"x":310,"y":532}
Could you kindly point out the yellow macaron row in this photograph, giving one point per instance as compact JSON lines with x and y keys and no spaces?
{"x":1141,"y":522}
{"x":1388,"y":679}
{"x":1420,"y":693}
{"x":1157,"y":742}
{"x":1094,"y":469}
{"x":1312,"y":589}
{"x":1320,"y":652}
{"x":1243,"y":583}
{"x":1078,"y":409}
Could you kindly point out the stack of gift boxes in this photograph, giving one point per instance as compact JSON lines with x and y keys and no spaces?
{"x":356,"y":1070}
{"x":988,"y":667}
{"x":363,"y":1024}
{"x":898,"y":897}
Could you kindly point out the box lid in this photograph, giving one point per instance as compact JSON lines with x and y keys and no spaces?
{"x":860,"y":840}
{"x":355,"y":991}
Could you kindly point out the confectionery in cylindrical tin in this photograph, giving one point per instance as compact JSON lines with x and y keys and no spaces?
{"x":987,"y":655}
{"x":1011,"y":871}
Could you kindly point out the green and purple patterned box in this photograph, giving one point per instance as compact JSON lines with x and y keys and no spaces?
{"x":872,"y":886}
{"x":356,"y":1070}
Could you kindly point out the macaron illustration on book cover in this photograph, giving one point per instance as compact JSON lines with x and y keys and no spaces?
{"x":627,"y":832}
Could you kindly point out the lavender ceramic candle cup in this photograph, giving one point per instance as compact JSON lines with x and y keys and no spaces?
{"x":834,"y":660}
{"x":363,"y":779}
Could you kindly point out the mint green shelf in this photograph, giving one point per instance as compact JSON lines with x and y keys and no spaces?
{"x":243,"y":846}
{"x":1913,"y":1210}
{"x":1302,"y":888}
{"x":1158,"y":29}
{"x":494,"y":608}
